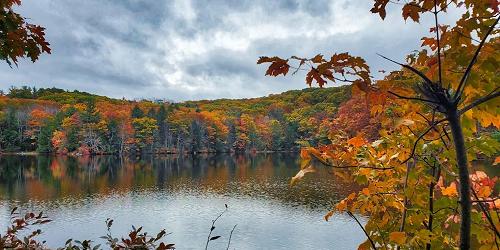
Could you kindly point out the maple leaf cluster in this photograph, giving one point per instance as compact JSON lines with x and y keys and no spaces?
{"x":18,"y":38}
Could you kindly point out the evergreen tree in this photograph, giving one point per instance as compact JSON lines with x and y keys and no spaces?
{"x":276,"y":135}
{"x":112,"y":141}
{"x":161,"y":118}
{"x":152,"y":113}
{"x":44,"y":144}
{"x":290,"y":135}
{"x":9,"y":132}
{"x":137,"y":112}
{"x":72,"y":142}
{"x":254,"y":140}
{"x":90,"y":115}
{"x":196,"y":132}
{"x":24,"y":92}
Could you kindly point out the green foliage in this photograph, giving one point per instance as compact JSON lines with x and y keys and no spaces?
{"x":72,"y":141}
{"x":137,"y":112}
{"x":10,"y":133}
{"x":44,"y":140}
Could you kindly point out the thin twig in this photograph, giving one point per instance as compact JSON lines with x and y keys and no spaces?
{"x":420,"y":138}
{"x":411,"y":98}
{"x":438,"y":43}
{"x":479,"y":101}
{"x":230,"y":235}
{"x":362,"y":228}
{"x":419,"y":73}
{"x":405,"y":201}
{"x":486,"y":214}
{"x":213,"y":227}
{"x":472,"y":62}
{"x":325,"y":162}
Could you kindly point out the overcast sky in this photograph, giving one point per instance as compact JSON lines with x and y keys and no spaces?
{"x":187,"y":50}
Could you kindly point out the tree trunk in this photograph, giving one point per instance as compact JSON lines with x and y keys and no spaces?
{"x":463,"y":172}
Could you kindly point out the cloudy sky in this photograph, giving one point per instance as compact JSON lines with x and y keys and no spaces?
{"x":188,"y":49}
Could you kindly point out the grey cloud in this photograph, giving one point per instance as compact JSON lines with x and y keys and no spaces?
{"x":182,"y":49}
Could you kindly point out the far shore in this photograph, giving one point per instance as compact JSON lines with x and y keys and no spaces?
{"x":34,"y":153}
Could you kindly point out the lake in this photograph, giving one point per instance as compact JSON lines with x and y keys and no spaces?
{"x":181,"y":194}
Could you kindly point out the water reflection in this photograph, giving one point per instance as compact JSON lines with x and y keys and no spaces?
{"x":44,"y":177}
{"x":184,"y":191}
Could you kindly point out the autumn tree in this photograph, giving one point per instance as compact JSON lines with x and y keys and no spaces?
{"x":18,"y":38}
{"x":429,"y":115}
{"x":145,"y":128}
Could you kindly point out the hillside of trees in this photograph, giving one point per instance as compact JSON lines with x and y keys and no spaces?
{"x":52,"y":120}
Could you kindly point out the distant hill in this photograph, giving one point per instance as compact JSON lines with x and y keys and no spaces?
{"x":56,"y":120}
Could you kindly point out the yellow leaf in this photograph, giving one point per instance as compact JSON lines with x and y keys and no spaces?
{"x":328,"y":215}
{"x":484,"y":191}
{"x":469,"y":114}
{"x":365,"y":246}
{"x":383,"y":158}
{"x":301,"y":174}
{"x":398,"y":237}
{"x":365,"y":191}
{"x":451,"y":190}
{"x":365,"y":171}
{"x":357,"y":141}
{"x":376,"y":109}
{"x":341,"y":206}
{"x":497,"y":161}
{"x":394,"y":156}
{"x":351,"y":196}
{"x":405,"y":122}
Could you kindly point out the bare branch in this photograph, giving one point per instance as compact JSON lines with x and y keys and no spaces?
{"x":213,"y":227}
{"x":362,"y":228}
{"x":405,"y":201}
{"x":472,"y":62}
{"x":438,"y":43}
{"x":479,"y":101}
{"x":419,"y":73}
{"x":421,"y":137}
{"x":411,"y":98}
{"x":230,"y":236}
{"x":326,"y":163}
{"x":466,"y":36}
{"x":486,"y":214}
{"x":354,"y":166}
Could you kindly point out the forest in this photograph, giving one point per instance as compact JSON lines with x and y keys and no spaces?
{"x":52,"y":120}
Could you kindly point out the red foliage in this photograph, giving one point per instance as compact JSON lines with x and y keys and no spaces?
{"x":354,"y":117}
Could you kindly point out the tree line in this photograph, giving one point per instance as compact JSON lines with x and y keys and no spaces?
{"x":52,"y":120}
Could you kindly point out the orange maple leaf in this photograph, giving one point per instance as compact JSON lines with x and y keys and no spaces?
{"x":357,"y":141}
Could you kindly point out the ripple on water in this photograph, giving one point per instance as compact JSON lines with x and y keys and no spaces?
{"x":183,"y":198}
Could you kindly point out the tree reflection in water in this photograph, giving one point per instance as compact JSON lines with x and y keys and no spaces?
{"x":260,"y":175}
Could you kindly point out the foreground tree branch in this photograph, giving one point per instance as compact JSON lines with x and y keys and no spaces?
{"x":463,"y":80}
{"x":362,"y":228}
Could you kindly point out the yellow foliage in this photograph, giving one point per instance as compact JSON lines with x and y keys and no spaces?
{"x":451,"y":190}
{"x":357,"y":141}
{"x":398,"y":237}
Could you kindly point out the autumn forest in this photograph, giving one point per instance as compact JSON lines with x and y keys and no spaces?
{"x":62,"y":122}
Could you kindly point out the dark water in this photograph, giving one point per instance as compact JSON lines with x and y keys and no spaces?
{"x":182,"y":195}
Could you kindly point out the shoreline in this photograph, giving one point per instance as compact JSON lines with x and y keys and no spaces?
{"x":34,"y":153}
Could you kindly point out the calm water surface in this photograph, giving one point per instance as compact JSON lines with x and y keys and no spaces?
{"x":182,"y":195}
